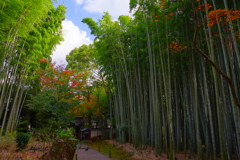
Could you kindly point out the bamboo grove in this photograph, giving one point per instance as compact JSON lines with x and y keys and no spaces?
{"x":164,"y":70}
{"x":28,"y":31}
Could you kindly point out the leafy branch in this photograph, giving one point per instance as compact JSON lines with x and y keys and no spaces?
{"x":214,"y":65}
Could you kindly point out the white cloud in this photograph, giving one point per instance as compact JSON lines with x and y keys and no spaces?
{"x":114,"y":7}
{"x":73,"y":37}
{"x":79,"y":2}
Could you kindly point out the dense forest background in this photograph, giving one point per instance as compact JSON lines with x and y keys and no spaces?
{"x":168,"y":77}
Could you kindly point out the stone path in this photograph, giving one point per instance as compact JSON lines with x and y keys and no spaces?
{"x":89,"y":154}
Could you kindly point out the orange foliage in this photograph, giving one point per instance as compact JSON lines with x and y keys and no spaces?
{"x":67,"y":73}
{"x":237,"y":35}
{"x":176,"y":47}
{"x":155,"y":20}
{"x":42,"y":60}
{"x":71,"y":85}
{"x":222,"y":15}
{"x":204,"y":7}
{"x":53,"y":78}
{"x":169,"y":16}
{"x":88,"y":105}
{"x":163,"y":2}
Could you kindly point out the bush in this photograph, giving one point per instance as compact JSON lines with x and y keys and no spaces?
{"x":65,"y":134}
{"x":22,"y":126}
{"x":63,"y":149}
{"x":44,"y":134}
{"x":22,"y":140}
{"x":122,"y":133}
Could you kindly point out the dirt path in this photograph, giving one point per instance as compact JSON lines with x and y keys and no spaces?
{"x":87,"y":153}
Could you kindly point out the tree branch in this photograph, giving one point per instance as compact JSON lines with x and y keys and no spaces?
{"x":214,"y":65}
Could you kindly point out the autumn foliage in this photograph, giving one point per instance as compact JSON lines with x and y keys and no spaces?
{"x":222,"y":15}
{"x":204,"y":7}
{"x":42,"y":60}
{"x":163,"y":2}
{"x":55,"y":77}
{"x":218,"y":15}
{"x":69,"y":87}
{"x":88,"y":106}
{"x":176,"y":47}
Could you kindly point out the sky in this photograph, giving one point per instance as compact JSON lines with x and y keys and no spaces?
{"x":75,"y":32}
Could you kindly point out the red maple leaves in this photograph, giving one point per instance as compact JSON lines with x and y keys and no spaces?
{"x":176,"y":47}
{"x":222,"y":15}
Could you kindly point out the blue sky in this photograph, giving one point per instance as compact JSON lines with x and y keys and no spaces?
{"x":77,"y":33}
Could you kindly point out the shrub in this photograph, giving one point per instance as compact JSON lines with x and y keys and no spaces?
{"x":122,"y":133}
{"x":65,"y":134}
{"x":22,"y":140}
{"x":63,"y":149}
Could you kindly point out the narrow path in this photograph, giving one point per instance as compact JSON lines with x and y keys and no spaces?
{"x":89,"y":154}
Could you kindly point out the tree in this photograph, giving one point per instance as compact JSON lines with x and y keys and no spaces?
{"x":58,"y":97}
{"x":159,"y":85}
{"x":35,"y":36}
{"x":217,"y":16}
{"x":84,"y":60}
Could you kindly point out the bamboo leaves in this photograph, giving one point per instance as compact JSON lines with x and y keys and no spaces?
{"x":162,"y":89}
{"x":31,"y":31}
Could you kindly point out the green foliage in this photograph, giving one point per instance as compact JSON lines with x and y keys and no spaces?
{"x":54,"y":105}
{"x":122,"y":133}
{"x":79,"y":59}
{"x":23,"y":125}
{"x":45,"y":134}
{"x":28,"y":31}
{"x":50,"y":112}
{"x":92,"y":25}
{"x":22,"y":140}
{"x":158,"y":84}
{"x":65,"y":133}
